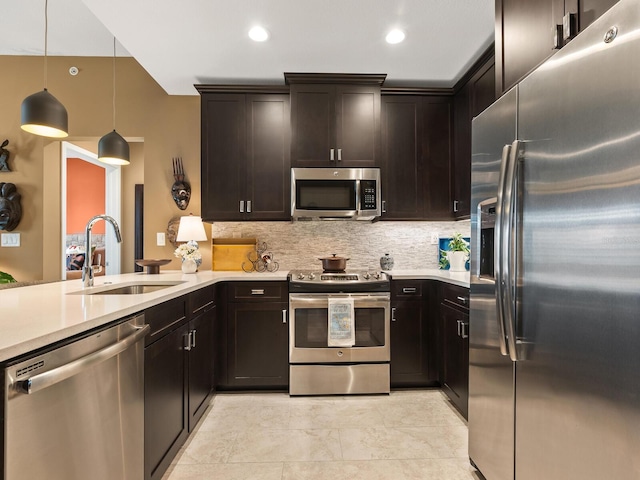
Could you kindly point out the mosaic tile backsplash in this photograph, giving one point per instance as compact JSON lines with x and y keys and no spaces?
{"x":298,"y":245}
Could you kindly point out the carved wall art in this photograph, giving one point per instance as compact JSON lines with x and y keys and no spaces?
{"x":4,"y":157}
{"x":180,"y":190}
{"x":10,"y":208}
{"x":172,"y":231}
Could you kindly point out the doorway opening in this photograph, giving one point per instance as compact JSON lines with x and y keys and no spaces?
{"x":83,"y":176}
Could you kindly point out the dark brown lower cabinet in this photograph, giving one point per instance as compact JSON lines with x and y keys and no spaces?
{"x":454,"y":321}
{"x":257,"y":336}
{"x":412,"y":335}
{"x":179,"y":374}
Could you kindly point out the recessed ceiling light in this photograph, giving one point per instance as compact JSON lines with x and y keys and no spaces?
{"x":258,"y":34}
{"x":395,"y":36}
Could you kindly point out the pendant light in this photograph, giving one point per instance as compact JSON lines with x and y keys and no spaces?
{"x":112,"y":148}
{"x":42,"y":113}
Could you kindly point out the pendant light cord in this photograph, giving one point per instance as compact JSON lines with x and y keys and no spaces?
{"x":114,"y":83}
{"x":46,"y":34}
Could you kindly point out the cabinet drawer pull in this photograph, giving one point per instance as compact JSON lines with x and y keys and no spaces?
{"x":331,"y":155}
{"x":284,"y":316}
{"x":248,"y":206}
{"x":241,"y":206}
{"x":393,"y":314}
{"x":462,"y":299}
{"x":409,"y":290}
{"x":257,"y":291}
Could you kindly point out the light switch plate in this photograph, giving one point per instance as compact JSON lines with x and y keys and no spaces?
{"x":434,"y":239}
{"x":160,"y":241}
{"x":10,"y":240}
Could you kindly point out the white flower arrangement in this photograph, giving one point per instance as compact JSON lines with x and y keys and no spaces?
{"x":188,"y":252}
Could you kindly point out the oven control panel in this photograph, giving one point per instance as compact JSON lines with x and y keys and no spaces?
{"x":338,"y":281}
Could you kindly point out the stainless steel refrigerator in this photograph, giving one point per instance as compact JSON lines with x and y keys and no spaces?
{"x":554,"y":374}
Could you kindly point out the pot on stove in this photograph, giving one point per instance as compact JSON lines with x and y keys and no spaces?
{"x":334,"y":263}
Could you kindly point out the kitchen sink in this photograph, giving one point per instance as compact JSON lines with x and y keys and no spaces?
{"x":127,"y":289}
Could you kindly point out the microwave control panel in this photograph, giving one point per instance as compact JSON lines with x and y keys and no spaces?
{"x":368,"y":195}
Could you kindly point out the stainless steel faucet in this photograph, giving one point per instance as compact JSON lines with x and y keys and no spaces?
{"x":87,"y":268}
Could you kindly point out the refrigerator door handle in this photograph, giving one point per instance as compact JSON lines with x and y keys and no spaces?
{"x":497,"y":254}
{"x":508,"y":255}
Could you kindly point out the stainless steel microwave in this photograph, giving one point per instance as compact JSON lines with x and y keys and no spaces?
{"x":335,"y":193}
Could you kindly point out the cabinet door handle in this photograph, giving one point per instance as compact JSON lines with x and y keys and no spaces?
{"x":463,"y":329}
{"x":187,"y":341}
{"x":332,"y":155}
{"x":339,"y":154}
{"x":193,"y":339}
{"x":241,"y":206}
{"x":409,"y":290}
{"x":257,"y":291}
{"x":459,"y":327}
{"x":384,"y":206}
{"x":248,"y":206}
{"x":284,"y":316}
{"x":462,"y":299}
{"x":393,"y":314}
{"x":455,"y":205}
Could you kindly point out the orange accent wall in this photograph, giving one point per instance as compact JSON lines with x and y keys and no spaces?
{"x":85,"y":195}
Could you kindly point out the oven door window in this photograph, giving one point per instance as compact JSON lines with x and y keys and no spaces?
{"x":311,"y":327}
{"x":326,"y":194}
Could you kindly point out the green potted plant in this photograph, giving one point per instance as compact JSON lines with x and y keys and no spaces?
{"x":457,"y":255}
{"x":6,"y":278}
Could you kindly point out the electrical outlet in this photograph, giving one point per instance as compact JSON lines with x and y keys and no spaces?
{"x":160,"y":241}
{"x":435,"y":238}
{"x":10,"y":240}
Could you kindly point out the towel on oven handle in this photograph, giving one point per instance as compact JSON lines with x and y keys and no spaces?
{"x":341,"y":331}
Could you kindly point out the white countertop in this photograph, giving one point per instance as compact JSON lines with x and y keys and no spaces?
{"x":33,"y":317}
{"x":456,"y":278}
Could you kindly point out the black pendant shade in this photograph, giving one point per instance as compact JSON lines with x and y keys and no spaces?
{"x":42,"y":114}
{"x":113,"y":149}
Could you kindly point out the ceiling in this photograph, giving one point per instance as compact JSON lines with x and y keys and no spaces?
{"x":205,"y":41}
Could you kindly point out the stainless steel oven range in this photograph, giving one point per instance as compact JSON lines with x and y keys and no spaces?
{"x":323,"y":360}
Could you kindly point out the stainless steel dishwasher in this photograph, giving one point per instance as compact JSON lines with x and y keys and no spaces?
{"x":77,"y":412}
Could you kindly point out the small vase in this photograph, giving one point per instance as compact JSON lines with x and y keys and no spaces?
{"x":386,"y":262}
{"x":189,"y":265}
{"x":457,"y":261}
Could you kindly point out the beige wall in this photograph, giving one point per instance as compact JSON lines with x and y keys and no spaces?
{"x":158,"y":126}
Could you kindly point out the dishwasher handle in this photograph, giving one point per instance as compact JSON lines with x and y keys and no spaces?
{"x":46,"y":379}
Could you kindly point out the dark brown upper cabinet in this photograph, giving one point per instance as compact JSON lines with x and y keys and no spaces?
{"x":528,"y":32}
{"x":416,"y":157}
{"x":245,"y":162}
{"x":335,"y":119}
{"x":474,"y":93}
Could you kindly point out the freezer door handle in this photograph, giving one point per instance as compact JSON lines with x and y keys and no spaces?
{"x":497,"y":254}
{"x":509,"y":247}
{"x":58,"y":374}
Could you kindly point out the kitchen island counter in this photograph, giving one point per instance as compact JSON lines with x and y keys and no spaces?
{"x":36,"y":316}
{"x":461,"y":279}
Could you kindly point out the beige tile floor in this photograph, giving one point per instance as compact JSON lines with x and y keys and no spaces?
{"x":407,"y":435}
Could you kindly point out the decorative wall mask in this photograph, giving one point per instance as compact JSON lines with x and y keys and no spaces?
{"x":4,"y":157}
{"x":180,"y":190}
{"x":10,"y":209}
